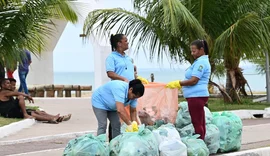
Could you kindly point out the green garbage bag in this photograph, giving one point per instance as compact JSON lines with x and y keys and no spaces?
{"x":195,"y":146}
{"x":235,"y":132}
{"x":135,"y":144}
{"x":186,"y":131}
{"x":183,"y":117}
{"x":212,"y":138}
{"x":208,"y":115}
{"x":159,"y":123}
{"x":151,"y":128}
{"x":224,"y":124}
{"x":87,"y":145}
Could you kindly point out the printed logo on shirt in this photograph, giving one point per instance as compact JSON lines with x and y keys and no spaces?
{"x":200,"y":68}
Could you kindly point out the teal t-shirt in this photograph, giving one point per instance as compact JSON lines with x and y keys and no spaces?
{"x":121,"y":65}
{"x":201,"y":69}
{"x":106,"y":96}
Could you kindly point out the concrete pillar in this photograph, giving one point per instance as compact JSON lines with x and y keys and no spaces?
{"x":100,"y":53}
{"x":41,"y":69}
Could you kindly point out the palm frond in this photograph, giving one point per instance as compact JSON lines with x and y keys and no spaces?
{"x":28,"y":25}
{"x":101,"y":22}
{"x":245,"y":38}
{"x":163,"y":29}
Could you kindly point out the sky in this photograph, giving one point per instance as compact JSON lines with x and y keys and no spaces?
{"x":72,"y":55}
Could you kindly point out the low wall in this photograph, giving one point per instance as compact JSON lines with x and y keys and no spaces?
{"x":58,"y":90}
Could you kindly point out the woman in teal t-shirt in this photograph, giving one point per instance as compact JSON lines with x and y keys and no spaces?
{"x":109,"y":102}
{"x":195,"y":85}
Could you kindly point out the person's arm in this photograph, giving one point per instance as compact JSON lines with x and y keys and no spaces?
{"x":133,"y":111}
{"x":133,"y":115}
{"x":12,"y":93}
{"x":122,"y":112}
{"x":190,"y":82}
{"x":196,"y":74}
{"x":115,"y":76}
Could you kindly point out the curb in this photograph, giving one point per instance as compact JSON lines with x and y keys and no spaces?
{"x":254,"y":152}
{"x":48,"y":137}
{"x":249,"y":114}
{"x":15,"y":127}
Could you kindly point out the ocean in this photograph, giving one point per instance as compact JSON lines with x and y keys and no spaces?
{"x":256,"y":81}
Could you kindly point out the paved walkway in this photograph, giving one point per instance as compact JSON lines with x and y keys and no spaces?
{"x":82,"y":119}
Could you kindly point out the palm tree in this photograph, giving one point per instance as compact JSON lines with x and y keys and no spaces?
{"x":28,"y":23}
{"x":235,"y":30}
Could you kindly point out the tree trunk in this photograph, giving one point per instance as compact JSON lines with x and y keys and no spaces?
{"x":235,"y":84}
{"x":226,"y":96}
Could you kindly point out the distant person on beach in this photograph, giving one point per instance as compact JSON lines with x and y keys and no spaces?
{"x":195,"y":85}
{"x":144,"y":81}
{"x":109,"y":101}
{"x":23,"y":70}
{"x":135,"y":69}
{"x":11,"y":107}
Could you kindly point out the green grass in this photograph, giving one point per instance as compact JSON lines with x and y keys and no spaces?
{"x":32,"y":107}
{"x":217,"y":104}
{"x":6,"y":121}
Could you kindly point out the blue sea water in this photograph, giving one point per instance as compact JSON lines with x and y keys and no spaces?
{"x":256,"y":81}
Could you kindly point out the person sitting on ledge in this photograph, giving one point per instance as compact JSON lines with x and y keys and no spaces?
{"x":15,"y":108}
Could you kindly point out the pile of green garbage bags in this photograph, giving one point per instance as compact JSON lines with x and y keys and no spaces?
{"x":223,"y":131}
{"x":223,"y":134}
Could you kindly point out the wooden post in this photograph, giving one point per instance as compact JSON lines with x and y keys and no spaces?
{"x":32,"y":91}
{"x":40,"y":91}
{"x":49,"y":90}
{"x":59,"y":90}
{"x":68,"y":89}
{"x":77,"y":89}
{"x":152,"y":77}
{"x":86,"y":88}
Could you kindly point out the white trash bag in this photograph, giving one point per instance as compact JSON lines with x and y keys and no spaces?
{"x":173,"y":147}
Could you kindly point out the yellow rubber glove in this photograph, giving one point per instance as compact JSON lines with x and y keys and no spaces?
{"x":133,"y":127}
{"x":174,"y":84}
{"x":144,"y":81}
{"x":129,"y":128}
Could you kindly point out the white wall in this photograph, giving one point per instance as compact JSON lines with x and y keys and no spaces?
{"x":100,"y":54}
{"x":41,"y":69}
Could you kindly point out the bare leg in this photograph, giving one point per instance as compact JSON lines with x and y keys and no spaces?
{"x":22,"y":106}
{"x":40,"y":117}
{"x":46,"y":114}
